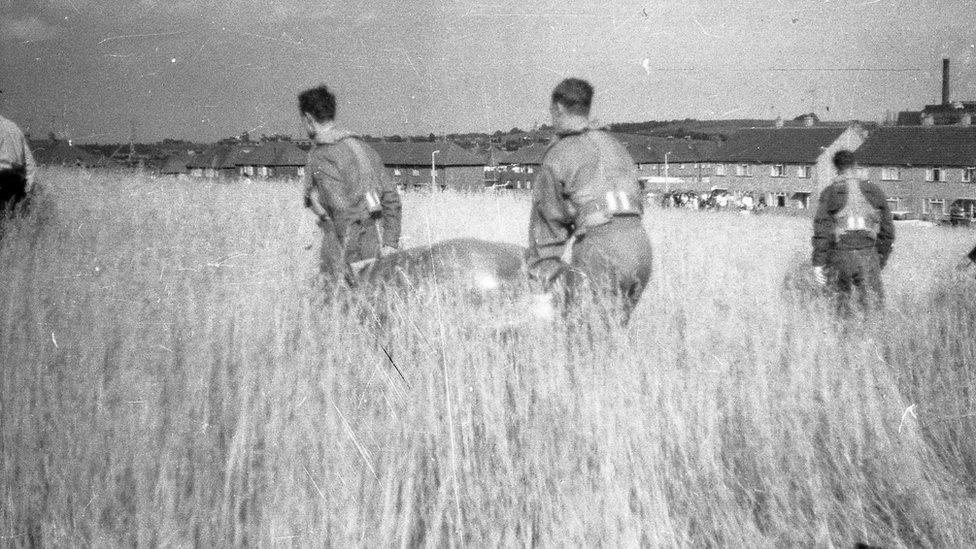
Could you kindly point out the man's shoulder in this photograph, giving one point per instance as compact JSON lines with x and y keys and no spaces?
{"x":566,"y":147}
{"x":9,"y":127}
{"x":871,"y":187}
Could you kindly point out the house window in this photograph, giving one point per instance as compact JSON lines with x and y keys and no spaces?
{"x":777,"y":170}
{"x":933,"y":206}
{"x":414,"y":172}
{"x":528,"y":170}
{"x":780,"y":199}
{"x":803,"y":172}
{"x":969,"y":175}
{"x":528,"y":185}
{"x":719,"y":169}
{"x":890,"y":173}
{"x":681,"y":167}
{"x":301,"y":171}
{"x":935,"y":174}
{"x":247,"y":170}
{"x":263,"y":171}
{"x":743,"y":170}
{"x":396,"y":171}
{"x":894,"y":204}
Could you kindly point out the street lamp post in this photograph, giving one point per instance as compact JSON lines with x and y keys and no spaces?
{"x":433,"y":170}
{"x":667,"y":183}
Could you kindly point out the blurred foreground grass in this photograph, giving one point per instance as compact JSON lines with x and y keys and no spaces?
{"x":171,"y":373}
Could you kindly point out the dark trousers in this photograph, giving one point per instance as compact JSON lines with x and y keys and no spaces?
{"x":855,"y":279}
{"x":13,"y":186}
{"x":610,"y":268}
{"x":362,"y":241}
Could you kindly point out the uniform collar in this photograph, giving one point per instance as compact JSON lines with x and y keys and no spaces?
{"x":331,"y":135}
{"x":579,"y":127}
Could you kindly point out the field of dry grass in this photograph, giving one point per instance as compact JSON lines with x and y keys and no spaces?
{"x":172,"y":374}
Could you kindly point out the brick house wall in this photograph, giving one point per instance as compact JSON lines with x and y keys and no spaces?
{"x":794,"y":188}
{"x":413,"y":177}
{"x":911,"y":192}
{"x":463,"y":178}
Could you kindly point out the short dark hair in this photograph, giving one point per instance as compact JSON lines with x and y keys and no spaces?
{"x":843,"y":159}
{"x":575,"y":94}
{"x":319,"y":102}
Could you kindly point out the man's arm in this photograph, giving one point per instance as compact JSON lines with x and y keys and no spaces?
{"x":30,"y":168}
{"x":310,"y":195}
{"x":886,"y":232}
{"x":392,"y":210}
{"x":550,"y":227}
{"x":823,"y":227}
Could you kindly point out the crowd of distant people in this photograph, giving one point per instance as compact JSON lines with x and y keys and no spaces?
{"x":714,"y":200}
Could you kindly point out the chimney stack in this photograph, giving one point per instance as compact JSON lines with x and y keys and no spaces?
{"x":945,"y":80}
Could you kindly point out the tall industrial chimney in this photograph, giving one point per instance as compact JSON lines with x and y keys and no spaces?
{"x":945,"y":80}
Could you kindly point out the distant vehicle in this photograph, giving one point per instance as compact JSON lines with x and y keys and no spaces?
{"x":498,"y":186}
{"x":959,"y":217}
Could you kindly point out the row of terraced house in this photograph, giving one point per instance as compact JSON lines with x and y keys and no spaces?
{"x":926,"y":171}
{"x":411,"y":165}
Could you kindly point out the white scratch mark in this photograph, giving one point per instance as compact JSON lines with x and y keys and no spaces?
{"x":910,"y":411}
{"x":616,"y":27}
{"x":410,"y":61}
{"x":127,"y":36}
{"x":362,"y":450}
{"x":703,"y":29}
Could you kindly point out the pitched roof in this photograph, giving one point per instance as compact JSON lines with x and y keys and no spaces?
{"x":176,"y":163}
{"x":777,"y":145}
{"x":221,"y":157}
{"x":271,"y":153}
{"x":419,"y":154}
{"x":530,"y":155}
{"x":920,"y":146}
{"x":646,"y":149}
{"x":61,"y":153}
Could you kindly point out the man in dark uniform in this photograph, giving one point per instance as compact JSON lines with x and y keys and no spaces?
{"x":16,"y":166}
{"x":348,"y":189}
{"x":587,"y":198}
{"x":852,"y":237}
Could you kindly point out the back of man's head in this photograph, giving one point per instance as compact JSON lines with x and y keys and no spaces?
{"x":843,"y":160}
{"x":575,"y":95}
{"x":319,"y":103}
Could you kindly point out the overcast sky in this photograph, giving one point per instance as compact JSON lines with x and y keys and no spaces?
{"x":205,"y":69}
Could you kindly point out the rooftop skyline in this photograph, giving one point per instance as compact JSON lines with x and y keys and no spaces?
{"x":203,"y":70}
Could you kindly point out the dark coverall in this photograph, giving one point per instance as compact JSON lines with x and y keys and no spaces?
{"x":340,"y":172}
{"x":16,"y":165}
{"x":587,"y":190}
{"x":852,"y":239}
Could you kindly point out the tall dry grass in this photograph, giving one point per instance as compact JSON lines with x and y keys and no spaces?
{"x":172,"y":373}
